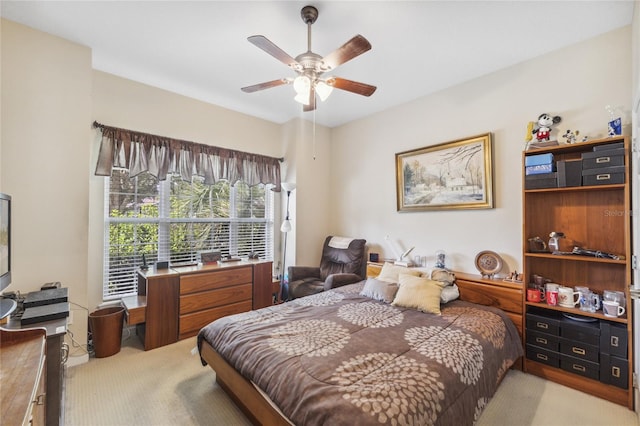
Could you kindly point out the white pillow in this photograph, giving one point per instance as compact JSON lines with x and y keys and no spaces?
{"x":449,"y":293}
{"x":390,"y":272}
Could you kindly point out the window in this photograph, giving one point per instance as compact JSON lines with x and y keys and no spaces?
{"x":174,"y":220}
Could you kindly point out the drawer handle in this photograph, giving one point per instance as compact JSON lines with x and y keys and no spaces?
{"x":614,"y":341}
{"x":541,"y":340}
{"x":615,"y":372}
{"x":39,"y":399}
{"x":542,"y":325}
{"x":578,"y":351}
{"x":603,"y":160}
{"x":542,"y":357}
{"x":579,"y":367}
{"x":604,"y":176}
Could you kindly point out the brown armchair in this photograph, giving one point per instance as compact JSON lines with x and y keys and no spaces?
{"x":343,"y":262}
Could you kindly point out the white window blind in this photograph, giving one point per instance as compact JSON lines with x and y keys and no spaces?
{"x":174,"y":220}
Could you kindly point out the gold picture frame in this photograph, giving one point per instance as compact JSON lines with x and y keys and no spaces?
{"x":446,"y":176}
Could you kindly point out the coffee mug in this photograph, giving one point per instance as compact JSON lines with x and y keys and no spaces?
{"x":552,"y":297}
{"x":567,"y":297}
{"x":614,"y":296}
{"x":533,"y":295}
{"x":612,"y":309}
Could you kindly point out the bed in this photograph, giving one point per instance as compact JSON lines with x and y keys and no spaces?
{"x":342,"y":358}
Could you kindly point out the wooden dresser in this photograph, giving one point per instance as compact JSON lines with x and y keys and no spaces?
{"x":22,"y":368}
{"x":173,"y":304}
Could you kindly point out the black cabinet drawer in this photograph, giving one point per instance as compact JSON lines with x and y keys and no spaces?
{"x":543,"y":356}
{"x":614,"y":371}
{"x":579,"y":350}
{"x":580,"y":366}
{"x":544,"y":324}
{"x":613,"y":339}
{"x":543,"y":340}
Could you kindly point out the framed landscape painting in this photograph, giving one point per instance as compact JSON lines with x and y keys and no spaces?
{"x":451,"y":175}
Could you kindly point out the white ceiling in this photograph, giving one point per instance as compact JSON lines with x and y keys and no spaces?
{"x":200,"y":48}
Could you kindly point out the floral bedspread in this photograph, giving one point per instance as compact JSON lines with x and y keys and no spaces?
{"x":338,"y":358}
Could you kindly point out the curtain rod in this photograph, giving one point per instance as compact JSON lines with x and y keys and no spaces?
{"x":104,"y":126}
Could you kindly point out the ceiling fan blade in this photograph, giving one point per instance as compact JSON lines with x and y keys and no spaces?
{"x":353,"y":86}
{"x":354,"y":47}
{"x":312,"y":101}
{"x":265,"y":85}
{"x":265,"y":44}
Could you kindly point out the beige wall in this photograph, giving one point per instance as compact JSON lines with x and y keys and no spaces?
{"x":46,"y":116}
{"x":575,"y":83}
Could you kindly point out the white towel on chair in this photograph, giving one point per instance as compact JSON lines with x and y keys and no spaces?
{"x":340,"y":242}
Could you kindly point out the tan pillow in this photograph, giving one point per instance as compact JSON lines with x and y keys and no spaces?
{"x":390,"y":272}
{"x":379,"y":290}
{"x":418,"y":293}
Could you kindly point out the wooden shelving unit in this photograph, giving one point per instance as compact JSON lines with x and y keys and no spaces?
{"x":593,"y":217}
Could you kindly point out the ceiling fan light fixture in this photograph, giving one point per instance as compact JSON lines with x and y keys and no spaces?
{"x":323,"y":90}
{"x":302,"y":85}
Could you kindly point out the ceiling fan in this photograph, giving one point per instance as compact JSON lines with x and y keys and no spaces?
{"x":310,"y":66}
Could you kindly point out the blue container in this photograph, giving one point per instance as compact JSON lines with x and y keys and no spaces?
{"x":535,"y":160}
{"x":539,"y":169}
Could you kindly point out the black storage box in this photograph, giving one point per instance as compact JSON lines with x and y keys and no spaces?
{"x":569,"y":173}
{"x":603,"y":176}
{"x":578,"y":349}
{"x":609,"y":146}
{"x":580,"y":366}
{"x":544,"y":324}
{"x":578,"y":331}
{"x":542,"y":180}
{"x":543,"y":356}
{"x":599,"y":159}
{"x":543,"y":340}
{"x":613,"y":339}
{"x":614,"y":371}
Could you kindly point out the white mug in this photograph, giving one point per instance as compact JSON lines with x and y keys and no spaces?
{"x":612,"y":309}
{"x":567,"y":297}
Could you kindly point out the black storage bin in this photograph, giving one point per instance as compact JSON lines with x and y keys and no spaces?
{"x":613,"y":339}
{"x":600,"y":159}
{"x":614,"y":371}
{"x":586,"y":332}
{"x":543,"y":324}
{"x":578,"y":349}
{"x":569,"y":173}
{"x":580,"y":366}
{"x":543,"y":356}
{"x":542,"y":180}
{"x":543,"y":340}
{"x":609,"y":146}
{"x":603,"y":176}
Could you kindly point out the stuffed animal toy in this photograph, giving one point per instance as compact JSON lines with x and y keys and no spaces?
{"x":541,"y":129}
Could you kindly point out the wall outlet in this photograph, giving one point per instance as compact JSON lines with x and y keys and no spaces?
{"x":70,"y":318}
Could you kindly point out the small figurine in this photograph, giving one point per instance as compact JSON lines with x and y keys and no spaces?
{"x":571,"y":136}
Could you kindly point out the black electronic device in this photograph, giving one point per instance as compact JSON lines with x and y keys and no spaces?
{"x":46,"y":297}
{"x":162,"y":264}
{"x":43,"y":313}
{"x":49,"y":286}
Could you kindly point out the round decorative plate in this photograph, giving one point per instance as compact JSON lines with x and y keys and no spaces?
{"x":488,"y":262}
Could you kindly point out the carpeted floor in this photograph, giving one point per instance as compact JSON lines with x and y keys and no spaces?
{"x":169,"y":386}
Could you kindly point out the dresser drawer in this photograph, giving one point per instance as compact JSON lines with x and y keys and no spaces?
{"x":580,"y":366}
{"x":580,"y":350}
{"x":543,"y":340}
{"x":586,"y":332}
{"x":543,"y":356}
{"x":204,"y":281}
{"x":190,"y":324}
{"x":211,"y":299}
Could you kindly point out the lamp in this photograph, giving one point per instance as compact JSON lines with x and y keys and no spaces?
{"x":285,"y":228}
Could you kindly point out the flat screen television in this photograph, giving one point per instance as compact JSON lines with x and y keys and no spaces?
{"x":5,"y":241}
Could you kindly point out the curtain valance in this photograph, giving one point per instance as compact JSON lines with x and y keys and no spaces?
{"x":142,"y":152}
